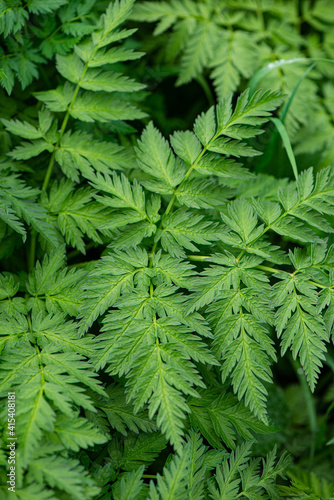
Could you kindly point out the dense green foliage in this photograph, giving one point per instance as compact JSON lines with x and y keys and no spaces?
{"x":228,"y":41}
{"x":167,"y":299}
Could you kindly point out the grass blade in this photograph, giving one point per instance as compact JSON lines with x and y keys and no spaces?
{"x":287,"y":144}
{"x":271,"y":146}
{"x":262,"y":72}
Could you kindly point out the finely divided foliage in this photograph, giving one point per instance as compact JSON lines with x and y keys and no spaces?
{"x":166,"y":341}
{"x":228,"y":41}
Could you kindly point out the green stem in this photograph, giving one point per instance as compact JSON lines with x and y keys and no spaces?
{"x":269,"y":269}
{"x":4,"y":56}
{"x":49,"y":170}
{"x":311,"y":409}
{"x":101,"y":455}
{"x":318,"y":284}
{"x":32,"y":251}
{"x":198,"y":258}
{"x":76,"y":253}
{"x":205,"y":86}
{"x":62,"y":130}
{"x":260,"y":15}
{"x":81,"y":264}
{"x":329,"y":362}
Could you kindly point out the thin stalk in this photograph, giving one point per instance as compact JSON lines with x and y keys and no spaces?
{"x":260,"y":15}
{"x":62,"y":129}
{"x":269,"y":269}
{"x":205,"y":86}
{"x":76,"y":253}
{"x":329,"y":362}
{"x":32,"y":252}
{"x":49,"y":170}
{"x":198,"y":258}
{"x":81,"y":264}
{"x":311,"y":408}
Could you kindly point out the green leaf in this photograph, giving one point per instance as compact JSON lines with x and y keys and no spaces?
{"x":174,"y":484}
{"x":41,"y":7}
{"x":120,"y":413}
{"x":77,"y":433}
{"x":79,"y":153}
{"x":186,"y":146}
{"x":129,"y":486}
{"x":107,"y":81}
{"x":104,"y":108}
{"x":161,"y":375}
{"x":199,"y":49}
{"x":156,"y":158}
{"x":114,"y":274}
{"x":123,"y":193}
{"x":53,"y":287}
{"x":57,"y":99}
{"x":22,"y":129}
{"x":182,"y":229}
{"x":60,"y":473}
{"x":221,"y":417}
{"x":236,"y":58}
{"x":8,"y":215}
{"x":20,"y":200}
{"x":76,"y":212}
{"x":116,"y":13}
{"x":227,"y":475}
{"x":30,"y":149}
{"x":132,"y":451}
{"x":298,"y":325}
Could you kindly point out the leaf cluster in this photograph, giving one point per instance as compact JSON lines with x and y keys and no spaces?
{"x":271,"y":43}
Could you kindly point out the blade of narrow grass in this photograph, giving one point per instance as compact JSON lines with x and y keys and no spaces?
{"x":262,"y":72}
{"x":287,"y":144}
{"x":294,"y":92}
{"x":271,"y":146}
